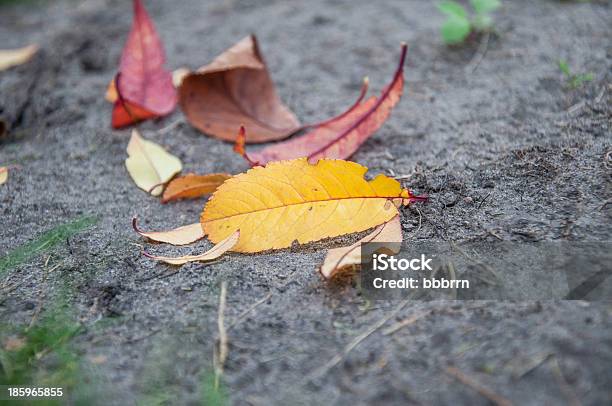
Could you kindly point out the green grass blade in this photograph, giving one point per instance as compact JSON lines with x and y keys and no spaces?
{"x":45,"y":242}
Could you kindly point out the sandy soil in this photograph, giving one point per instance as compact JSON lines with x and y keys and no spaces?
{"x":503,"y":147}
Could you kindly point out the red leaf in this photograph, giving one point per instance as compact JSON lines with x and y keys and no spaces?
{"x":145,"y":89}
{"x":342,"y":135}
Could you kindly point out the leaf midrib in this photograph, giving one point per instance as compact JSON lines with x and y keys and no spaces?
{"x":302,"y":203}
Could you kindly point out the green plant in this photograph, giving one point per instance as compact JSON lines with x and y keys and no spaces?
{"x":213,"y":395}
{"x":459,"y":24}
{"x":45,"y":242}
{"x":41,"y":355}
{"x":574,"y":80}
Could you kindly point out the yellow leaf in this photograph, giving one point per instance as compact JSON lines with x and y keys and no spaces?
{"x":289,"y":201}
{"x":179,"y":236}
{"x":215,"y":252}
{"x":178,"y":75}
{"x":339,"y":258}
{"x":3,"y":174}
{"x":149,"y":164}
{"x":111,"y":92}
{"x":191,"y":186}
{"x":14,"y":57}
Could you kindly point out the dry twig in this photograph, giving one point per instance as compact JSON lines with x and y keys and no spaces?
{"x":486,"y":392}
{"x":480,"y":54}
{"x":406,"y":322}
{"x":320,"y":372}
{"x":565,"y":387}
{"x":221,"y":354}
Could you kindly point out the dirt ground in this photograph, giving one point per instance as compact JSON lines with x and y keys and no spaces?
{"x":502,"y":145}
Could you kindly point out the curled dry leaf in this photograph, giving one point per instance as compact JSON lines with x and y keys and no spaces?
{"x":143,"y":88}
{"x":15,"y":57}
{"x":339,"y":258}
{"x":191,"y":186}
{"x":3,"y":174}
{"x":289,"y":201}
{"x":149,"y":165}
{"x":342,"y":135}
{"x":179,"y":236}
{"x":236,"y":89}
{"x":215,"y":252}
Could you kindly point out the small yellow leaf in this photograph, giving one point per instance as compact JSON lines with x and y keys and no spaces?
{"x":14,"y":57}
{"x":149,"y":164}
{"x":288,"y":201}
{"x":3,"y":174}
{"x":191,"y":186}
{"x":340,"y":258}
{"x":215,"y":252}
{"x":179,"y":236}
{"x":111,"y":95}
{"x":178,"y":75}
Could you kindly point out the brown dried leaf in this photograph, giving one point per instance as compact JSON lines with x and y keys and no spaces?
{"x":339,"y":258}
{"x":233,"y":90}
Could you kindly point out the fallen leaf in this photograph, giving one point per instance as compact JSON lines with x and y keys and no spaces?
{"x":215,"y":252}
{"x":191,"y":186}
{"x":179,"y":236}
{"x":111,"y":92}
{"x":15,"y":57}
{"x":149,"y":165}
{"x":143,"y":88}
{"x":339,"y":258}
{"x":178,"y":75}
{"x":3,"y":174}
{"x":342,"y":135}
{"x":177,"y":78}
{"x":288,"y":201}
{"x":236,"y":89}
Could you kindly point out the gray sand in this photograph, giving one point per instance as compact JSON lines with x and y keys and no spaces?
{"x":506,"y":151}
